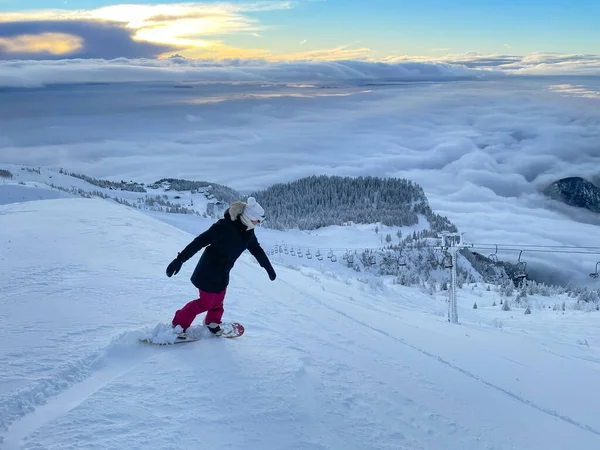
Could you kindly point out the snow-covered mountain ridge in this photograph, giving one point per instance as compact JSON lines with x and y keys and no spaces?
{"x":407,"y":253}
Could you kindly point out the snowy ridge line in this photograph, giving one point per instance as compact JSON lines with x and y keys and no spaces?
{"x":25,"y":400}
{"x":438,"y":358}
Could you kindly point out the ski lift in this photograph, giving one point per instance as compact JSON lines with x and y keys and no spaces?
{"x":401,"y":261}
{"x":494,"y":256}
{"x":451,"y":239}
{"x":292,"y":252}
{"x":350,"y":258}
{"x":308,"y":254}
{"x":521,"y":267}
{"x":300,"y":255}
{"x":330,"y":254}
{"x":333,"y":258}
{"x":447,"y":261}
{"x":285,"y":250}
{"x":319,"y":255}
{"x":371,"y":260}
{"x":595,"y":274}
{"x":345,"y":256}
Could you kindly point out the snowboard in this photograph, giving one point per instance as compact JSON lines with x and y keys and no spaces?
{"x":230,"y":330}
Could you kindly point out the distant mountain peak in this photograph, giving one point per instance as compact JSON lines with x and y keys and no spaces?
{"x":575,"y":191}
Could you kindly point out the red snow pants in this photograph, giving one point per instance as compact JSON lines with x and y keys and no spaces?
{"x":209,"y":302}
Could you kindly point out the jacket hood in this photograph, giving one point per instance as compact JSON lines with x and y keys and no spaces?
{"x":235,"y":210}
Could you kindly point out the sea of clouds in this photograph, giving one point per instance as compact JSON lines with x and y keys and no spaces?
{"x":481,"y":144}
{"x":30,"y":73}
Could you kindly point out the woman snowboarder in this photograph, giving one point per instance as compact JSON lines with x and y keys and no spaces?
{"x":225,"y":241}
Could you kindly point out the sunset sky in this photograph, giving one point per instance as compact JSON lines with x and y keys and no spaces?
{"x":296,"y":29}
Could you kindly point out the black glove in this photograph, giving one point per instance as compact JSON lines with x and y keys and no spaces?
{"x":271,"y":272}
{"x":174,"y":267}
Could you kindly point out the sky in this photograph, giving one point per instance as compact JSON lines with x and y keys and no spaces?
{"x":380,"y":30}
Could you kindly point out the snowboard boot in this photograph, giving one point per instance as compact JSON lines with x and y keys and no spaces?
{"x":214,"y":328}
{"x":181,"y":336}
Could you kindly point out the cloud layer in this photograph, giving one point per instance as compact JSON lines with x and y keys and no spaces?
{"x":40,"y":73}
{"x":540,"y":63}
{"x":482,"y":150}
{"x":315,"y":69}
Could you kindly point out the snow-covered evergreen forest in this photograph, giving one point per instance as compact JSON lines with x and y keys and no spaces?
{"x":320,"y":201}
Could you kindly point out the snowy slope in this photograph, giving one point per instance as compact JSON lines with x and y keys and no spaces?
{"x":327,"y":362}
{"x":15,"y":193}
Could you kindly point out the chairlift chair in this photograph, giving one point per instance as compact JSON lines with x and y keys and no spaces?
{"x":521,"y":267}
{"x":494,"y":256}
{"x":401,"y":260}
{"x":447,"y":261}
{"x":595,"y":274}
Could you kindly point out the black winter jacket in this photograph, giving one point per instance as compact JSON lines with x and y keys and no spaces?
{"x":225,"y":241}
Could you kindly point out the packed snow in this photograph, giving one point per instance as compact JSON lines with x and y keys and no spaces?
{"x":330,"y":360}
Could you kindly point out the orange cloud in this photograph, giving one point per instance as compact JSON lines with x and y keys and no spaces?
{"x":52,"y":43}
{"x":217,"y":50}
{"x":330,"y":54}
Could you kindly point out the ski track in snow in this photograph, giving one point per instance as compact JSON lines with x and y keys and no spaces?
{"x":50,"y":397}
{"x":455,"y":367}
{"x":339,"y":376}
{"x":475,"y":377}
